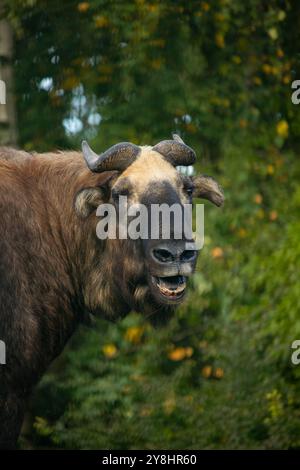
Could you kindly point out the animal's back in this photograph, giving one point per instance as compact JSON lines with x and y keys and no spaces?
{"x":9,"y":154}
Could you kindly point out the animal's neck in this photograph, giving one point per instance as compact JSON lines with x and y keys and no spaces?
{"x":67,"y":242}
{"x":74,"y":249}
{"x":80,"y":254}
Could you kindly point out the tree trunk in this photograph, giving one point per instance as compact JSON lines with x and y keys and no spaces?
{"x":8,"y":121}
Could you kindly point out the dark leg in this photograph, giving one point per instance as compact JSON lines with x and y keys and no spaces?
{"x":11,"y":417}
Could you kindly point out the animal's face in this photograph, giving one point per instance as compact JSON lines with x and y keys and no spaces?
{"x":151,"y":268}
{"x":152,"y":181}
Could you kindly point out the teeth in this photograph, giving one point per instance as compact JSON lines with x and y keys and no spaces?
{"x":171,"y":293}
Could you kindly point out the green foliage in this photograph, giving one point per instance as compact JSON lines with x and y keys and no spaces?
{"x":220,"y":73}
{"x":206,"y":68}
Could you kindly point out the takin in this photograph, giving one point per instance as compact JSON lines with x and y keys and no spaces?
{"x":54,"y":269}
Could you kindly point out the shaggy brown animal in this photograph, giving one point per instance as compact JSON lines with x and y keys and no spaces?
{"x":53,"y":268}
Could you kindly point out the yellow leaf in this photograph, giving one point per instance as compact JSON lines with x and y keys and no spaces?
{"x":70,"y":83}
{"x":219,"y":373}
{"x":258,"y":198}
{"x":219,"y":39}
{"x":243,"y":123}
{"x":101,"y":21}
{"x":156,"y":64}
{"x":273,"y":33}
{"x":134,"y":334}
{"x":242,"y":233}
{"x":280,"y":53}
{"x":206,"y":371}
{"x":189,"y":351}
{"x":169,"y":405}
{"x":219,"y":17}
{"x":217,"y":252}
{"x":152,"y":8}
{"x":205,"y":6}
{"x":109,"y":350}
{"x":267,"y":69}
{"x":286,"y":79}
{"x":177,"y":354}
{"x":257,"y":80}
{"x":82,"y":7}
{"x":273,"y":215}
{"x":282,"y":128}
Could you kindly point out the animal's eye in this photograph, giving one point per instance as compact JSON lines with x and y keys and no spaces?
{"x":189,"y":190}
{"x":188,"y":186}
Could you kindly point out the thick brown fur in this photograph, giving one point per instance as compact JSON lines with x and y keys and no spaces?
{"x":51,"y":270}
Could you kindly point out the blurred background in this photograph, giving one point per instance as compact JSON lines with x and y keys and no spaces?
{"x":219,"y":73}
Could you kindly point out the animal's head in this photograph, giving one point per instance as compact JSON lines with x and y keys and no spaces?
{"x":146,"y":273}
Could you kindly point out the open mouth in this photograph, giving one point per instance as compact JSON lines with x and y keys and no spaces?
{"x":171,"y":288}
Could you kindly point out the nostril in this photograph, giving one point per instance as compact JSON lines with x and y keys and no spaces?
{"x":188,"y":255}
{"x":163,"y":255}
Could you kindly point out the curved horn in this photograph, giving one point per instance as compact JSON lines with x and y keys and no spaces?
{"x":117,"y":157}
{"x":176,"y":151}
{"x":177,"y":138}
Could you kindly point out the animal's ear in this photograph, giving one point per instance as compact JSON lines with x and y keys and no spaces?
{"x":87,"y":200}
{"x":207,"y":188}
